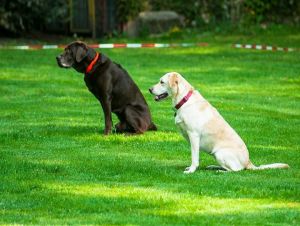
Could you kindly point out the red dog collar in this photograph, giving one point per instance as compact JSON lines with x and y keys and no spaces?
{"x":91,"y":65}
{"x":184,"y":100}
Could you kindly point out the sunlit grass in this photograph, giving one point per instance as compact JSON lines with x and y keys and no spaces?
{"x":178,"y":202}
{"x":57,"y":167}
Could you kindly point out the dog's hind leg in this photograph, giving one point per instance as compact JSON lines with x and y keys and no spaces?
{"x":123,"y":127}
{"x":135,"y":121}
{"x":228,"y":161}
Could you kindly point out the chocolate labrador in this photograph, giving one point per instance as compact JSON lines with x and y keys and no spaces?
{"x":112,"y":86}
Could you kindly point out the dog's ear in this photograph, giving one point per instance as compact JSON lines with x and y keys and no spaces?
{"x":80,"y":53}
{"x":173,"y":83}
{"x":173,"y":80}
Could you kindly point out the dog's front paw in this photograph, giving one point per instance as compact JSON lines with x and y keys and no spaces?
{"x":107,"y":131}
{"x":190,"y":169}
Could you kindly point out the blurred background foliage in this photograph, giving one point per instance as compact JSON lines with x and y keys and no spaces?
{"x":238,"y":12}
{"x":127,"y":10}
{"x":18,"y":16}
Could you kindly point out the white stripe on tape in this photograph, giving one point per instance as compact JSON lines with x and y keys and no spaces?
{"x":160,"y":45}
{"x":50,"y":46}
{"x":269,"y":48}
{"x":187,"y":44}
{"x":134,"y":45}
{"x":106,"y":46}
{"x":20,"y":47}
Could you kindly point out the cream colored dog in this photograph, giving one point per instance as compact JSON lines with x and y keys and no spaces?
{"x":202,"y":125}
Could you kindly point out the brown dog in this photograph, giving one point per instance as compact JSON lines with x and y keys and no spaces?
{"x":112,"y":86}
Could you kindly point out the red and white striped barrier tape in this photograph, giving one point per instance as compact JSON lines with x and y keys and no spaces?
{"x":149,"y":45}
{"x":263,"y":47}
{"x":110,"y":45}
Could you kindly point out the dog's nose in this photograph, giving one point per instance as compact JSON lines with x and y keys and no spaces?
{"x":151,"y":90}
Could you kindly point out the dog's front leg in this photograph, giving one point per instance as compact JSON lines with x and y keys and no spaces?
{"x":195,"y":145}
{"x":106,"y":106}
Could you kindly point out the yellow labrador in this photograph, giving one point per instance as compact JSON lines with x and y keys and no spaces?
{"x":202,"y":125}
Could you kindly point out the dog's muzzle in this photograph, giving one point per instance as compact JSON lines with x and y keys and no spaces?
{"x":58,"y":59}
{"x":61,"y":63}
{"x":160,"y":96}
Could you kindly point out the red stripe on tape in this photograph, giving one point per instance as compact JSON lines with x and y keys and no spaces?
{"x":202,"y":44}
{"x":120,"y":45}
{"x":35,"y":46}
{"x":94,"y":45}
{"x":148,"y":45}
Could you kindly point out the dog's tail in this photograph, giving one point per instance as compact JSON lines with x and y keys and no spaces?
{"x":152,"y":127}
{"x":251,"y":166}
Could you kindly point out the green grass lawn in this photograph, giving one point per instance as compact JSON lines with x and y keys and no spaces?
{"x":56,"y":167}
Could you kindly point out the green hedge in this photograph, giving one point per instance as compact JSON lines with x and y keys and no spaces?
{"x":18,"y":16}
{"x":129,"y":9}
{"x":249,"y":12}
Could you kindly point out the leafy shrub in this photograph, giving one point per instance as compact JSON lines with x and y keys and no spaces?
{"x":17,"y":16}
{"x":129,"y":9}
{"x":276,"y":11}
{"x":247,"y":12}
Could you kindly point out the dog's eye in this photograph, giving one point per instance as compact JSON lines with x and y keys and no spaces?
{"x":161,"y":82}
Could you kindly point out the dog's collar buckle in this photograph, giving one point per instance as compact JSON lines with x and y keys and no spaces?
{"x":184,"y":100}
